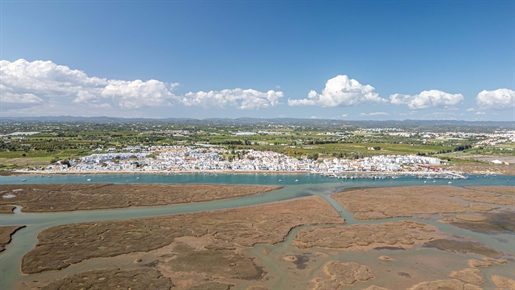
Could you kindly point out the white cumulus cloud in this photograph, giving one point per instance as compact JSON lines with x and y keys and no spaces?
{"x":40,"y":82}
{"x":136,"y":94}
{"x":427,"y":99}
{"x":498,"y":99}
{"x":239,"y":98}
{"x":45,"y":78}
{"x":340,"y":91}
{"x":6,"y":97}
{"x":378,"y":114}
{"x":374,"y":114}
{"x":11,"y":100}
{"x":46,"y":85}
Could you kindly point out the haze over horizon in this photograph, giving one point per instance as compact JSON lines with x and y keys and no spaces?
{"x":345,"y":60}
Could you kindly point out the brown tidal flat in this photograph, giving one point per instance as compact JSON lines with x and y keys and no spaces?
{"x":463,"y":247}
{"x":228,"y":249}
{"x":5,"y":235}
{"x":380,"y":203}
{"x":6,"y":209}
{"x":401,"y":234}
{"x":474,"y":276}
{"x":450,"y":284}
{"x":342,"y":274}
{"x":61,"y":246}
{"x":503,"y":282}
{"x":490,"y":222}
{"x":479,"y":264}
{"x":496,"y":189}
{"x":137,"y":279}
{"x":70,"y":197}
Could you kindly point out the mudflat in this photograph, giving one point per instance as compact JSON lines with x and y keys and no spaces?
{"x":61,"y":246}
{"x":462,"y":247}
{"x":490,"y":222}
{"x":71,"y":197}
{"x":301,"y":243}
{"x":5,"y":235}
{"x":380,"y":203}
{"x":399,"y":234}
{"x":6,"y":209}
{"x":342,"y":274}
{"x":137,"y":279}
{"x":445,"y":284}
{"x":497,"y":189}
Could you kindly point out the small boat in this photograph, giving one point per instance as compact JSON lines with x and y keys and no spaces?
{"x":23,"y":180}
{"x":89,"y":179}
{"x":296,"y":180}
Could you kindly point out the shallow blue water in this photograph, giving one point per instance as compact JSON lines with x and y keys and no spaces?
{"x":262,"y":179}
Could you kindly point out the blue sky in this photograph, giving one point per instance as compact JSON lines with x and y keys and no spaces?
{"x":356,"y":60}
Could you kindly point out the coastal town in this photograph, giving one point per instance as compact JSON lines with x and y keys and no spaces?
{"x":330,"y":148}
{"x":177,"y":159}
{"x":257,"y":145}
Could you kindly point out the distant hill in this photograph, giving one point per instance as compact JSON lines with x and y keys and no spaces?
{"x":421,"y":125}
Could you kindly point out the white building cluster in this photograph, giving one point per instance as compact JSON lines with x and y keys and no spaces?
{"x":496,"y":139}
{"x":187,"y":159}
{"x":382,"y":163}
